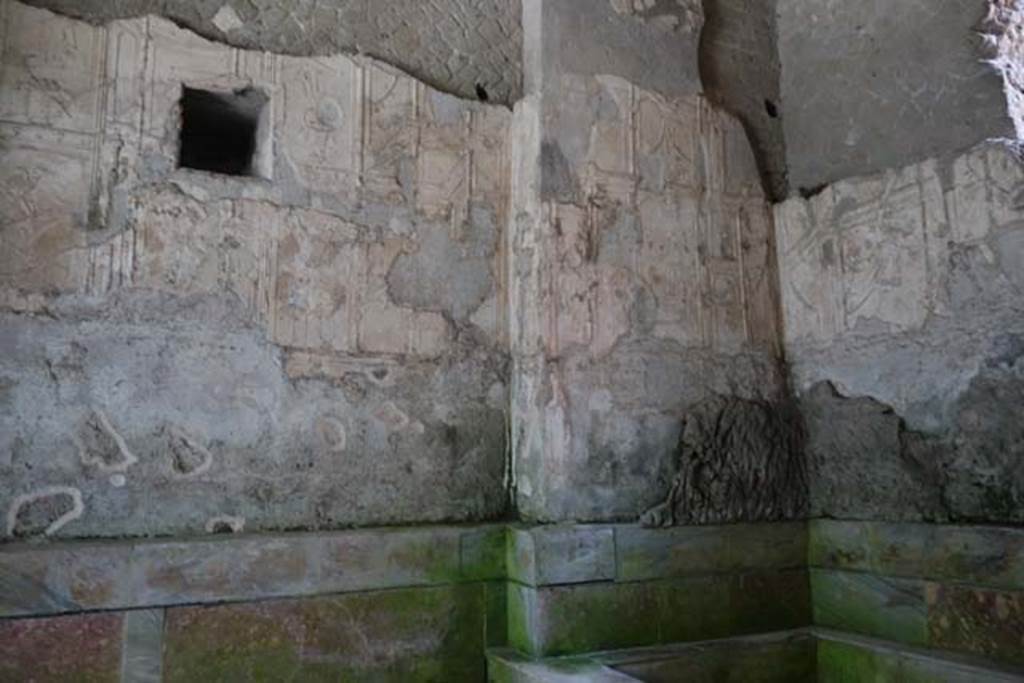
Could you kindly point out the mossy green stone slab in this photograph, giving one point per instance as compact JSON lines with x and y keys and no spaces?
{"x":876,"y":606}
{"x":979,"y":555}
{"x":680,"y":552}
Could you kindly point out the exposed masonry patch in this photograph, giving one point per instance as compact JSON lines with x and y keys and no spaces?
{"x":100,"y":446}
{"x":739,"y":461}
{"x":225,"y":524}
{"x":44,"y":512}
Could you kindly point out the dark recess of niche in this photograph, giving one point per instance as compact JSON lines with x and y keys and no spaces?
{"x":219,"y":130}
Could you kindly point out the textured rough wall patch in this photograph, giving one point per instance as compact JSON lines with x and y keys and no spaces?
{"x":739,"y":461}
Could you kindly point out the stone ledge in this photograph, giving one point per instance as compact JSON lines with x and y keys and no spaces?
{"x":585,"y":553}
{"x":643,"y":554}
{"x":845,"y":656}
{"x":985,"y":556}
{"x":75,"y":577}
{"x":953,"y":617}
{"x":580,"y":618}
{"x":786,"y":657}
{"x":68,"y":577}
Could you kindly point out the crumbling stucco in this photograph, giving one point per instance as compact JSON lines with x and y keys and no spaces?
{"x":903,"y":290}
{"x":182,"y":346}
{"x":865,"y":463}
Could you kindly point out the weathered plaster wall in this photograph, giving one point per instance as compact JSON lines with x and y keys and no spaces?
{"x":868,"y":86}
{"x":642,"y":276}
{"x":905,"y":333}
{"x":182,"y":351}
{"x":454,"y":45}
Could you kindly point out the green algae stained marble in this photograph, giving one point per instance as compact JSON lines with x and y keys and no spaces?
{"x":883,"y":607}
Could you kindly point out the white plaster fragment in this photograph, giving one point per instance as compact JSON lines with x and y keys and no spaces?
{"x":227,"y":20}
{"x":118,"y":480}
{"x":76,"y":511}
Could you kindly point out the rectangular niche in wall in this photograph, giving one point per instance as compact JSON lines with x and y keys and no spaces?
{"x":225,"y":132}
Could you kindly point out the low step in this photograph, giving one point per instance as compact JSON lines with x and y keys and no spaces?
{"x":786,"y":657}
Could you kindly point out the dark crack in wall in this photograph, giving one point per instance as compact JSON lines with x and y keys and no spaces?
{"x":471,"y":48}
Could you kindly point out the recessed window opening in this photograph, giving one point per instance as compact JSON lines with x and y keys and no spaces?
{"x":225,"y":132}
